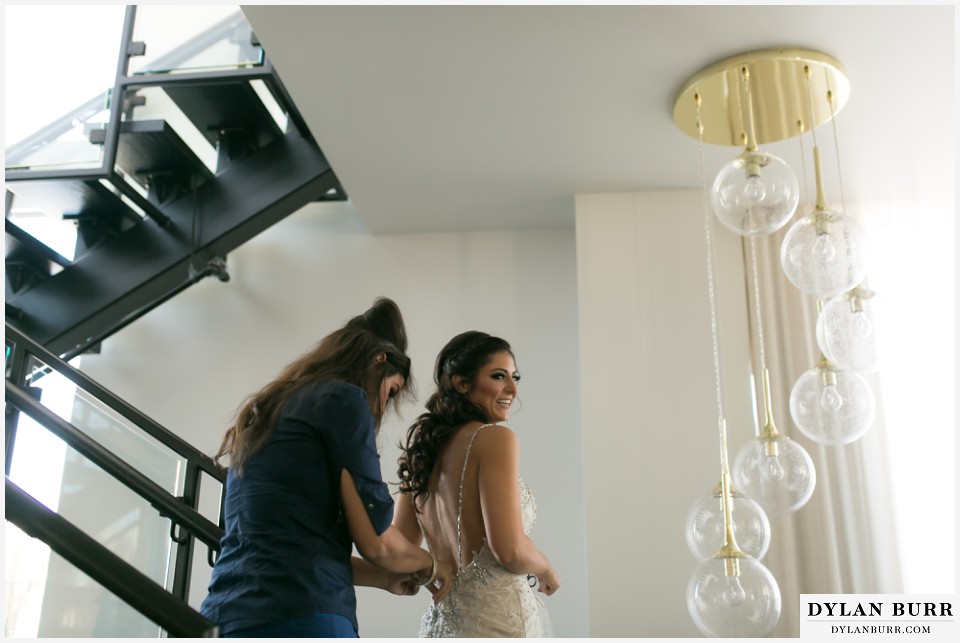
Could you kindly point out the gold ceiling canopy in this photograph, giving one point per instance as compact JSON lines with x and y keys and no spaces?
{"x":784,"y":84}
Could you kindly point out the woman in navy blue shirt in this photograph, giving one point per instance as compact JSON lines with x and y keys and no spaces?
{"x":304,"y":486}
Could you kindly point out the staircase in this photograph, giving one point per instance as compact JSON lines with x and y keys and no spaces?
{"x":190,"y":161}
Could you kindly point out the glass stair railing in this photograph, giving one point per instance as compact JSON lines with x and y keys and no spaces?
{"x":117,"y":501}
{"x":102,"y":565}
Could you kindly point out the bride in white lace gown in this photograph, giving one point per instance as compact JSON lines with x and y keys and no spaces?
{"x":463,"y":494}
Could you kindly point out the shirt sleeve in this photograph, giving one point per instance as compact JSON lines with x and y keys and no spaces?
{"x":351,"y":443}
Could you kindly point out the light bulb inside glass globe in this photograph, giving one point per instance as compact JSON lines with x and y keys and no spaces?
{"x":824,"y":249}
{"x":847,"y":330}
{"x":705,"y":527}
{"x":772,"y":469}
{"x":755,"y":193}
{"x":776,"y":472}
{"x":832,"y":406}
{"x":824,"y":253}
{"x":733,"y":598}
{"x":733,"y":594}
{"x":830,"y":398}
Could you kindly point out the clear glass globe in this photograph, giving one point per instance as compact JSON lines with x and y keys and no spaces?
{"x":832,"y":406}
{"x":847,"y":330}
{"x":824,"y":254}
{"x":705,"y":528}
{"x":755,"y":193}
{"x":776,"y":472}
{"x":733,"y":606}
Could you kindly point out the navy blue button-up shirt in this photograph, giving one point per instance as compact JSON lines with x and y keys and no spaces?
{"x":286,"y":548}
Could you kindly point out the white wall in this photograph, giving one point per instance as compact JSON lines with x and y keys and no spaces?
{"x":648,"y":398}
{"x":189,"y":363}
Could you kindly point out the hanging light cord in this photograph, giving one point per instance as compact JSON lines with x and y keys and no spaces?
{"x":813,"y":129}
{"x":836,"y":149}
{"x":803,"y":171}
{"x":756,"y":302}
{"x":707,"y":219}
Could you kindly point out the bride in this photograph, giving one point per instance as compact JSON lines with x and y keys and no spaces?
{"x":461,"y":490}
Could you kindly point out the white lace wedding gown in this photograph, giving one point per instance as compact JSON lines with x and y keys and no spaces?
{"x":487,"y":600}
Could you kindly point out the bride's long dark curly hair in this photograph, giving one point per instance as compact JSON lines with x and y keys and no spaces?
{"x":447,"y":408}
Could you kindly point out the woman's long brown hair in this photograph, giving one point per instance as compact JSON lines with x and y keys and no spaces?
{"x":348,"y":354}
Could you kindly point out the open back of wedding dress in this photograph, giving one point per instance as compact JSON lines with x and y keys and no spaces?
{"x":487,"y":600}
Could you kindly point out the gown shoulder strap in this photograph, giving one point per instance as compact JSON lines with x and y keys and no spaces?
{"x":463,"y":474}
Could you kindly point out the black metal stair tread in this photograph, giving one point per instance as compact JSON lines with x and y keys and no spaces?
{"x":27,"y":260}
{"x":225,"y":107}
{"x":151,"y":148}
{"x":74,"y":198}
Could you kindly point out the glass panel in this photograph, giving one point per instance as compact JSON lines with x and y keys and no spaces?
{"x":63,"y":144}
{"x":47,"y":113}
{"x":25,"y":564}
{"x":45,"y":596}
{"x":216,"y":37}
{"x":113,"y":431}
{"x":66,"y":482}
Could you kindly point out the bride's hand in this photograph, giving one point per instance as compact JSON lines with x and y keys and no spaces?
{"x":548,"y":582}
{"x":443,"y":583}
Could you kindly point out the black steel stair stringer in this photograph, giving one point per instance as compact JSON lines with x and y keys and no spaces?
{"x":142,"y":267}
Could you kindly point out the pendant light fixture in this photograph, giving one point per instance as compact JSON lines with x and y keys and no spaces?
{"x":825,"y":255}
{"x":729,"y":594}
{"x":847,"y":330}
{"x":749,"y":100}
{"x":830,"y":405}
{"x":775,"y":470}
{"x":705,"y":528}
{"x":755,"y":193}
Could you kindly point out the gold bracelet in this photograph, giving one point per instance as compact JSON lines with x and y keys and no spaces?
{"x":433,"y":570}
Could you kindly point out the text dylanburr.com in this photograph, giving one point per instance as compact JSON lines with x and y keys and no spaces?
{"x":896,"y":617}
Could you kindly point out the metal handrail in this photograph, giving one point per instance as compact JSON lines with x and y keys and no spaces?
{"x":194,"y":456}
{"x":105,"y":567}
{"x":207,"y":532}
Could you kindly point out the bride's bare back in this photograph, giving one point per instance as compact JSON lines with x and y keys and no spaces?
{"x":438,"y":513}
{"x":491,"y":505}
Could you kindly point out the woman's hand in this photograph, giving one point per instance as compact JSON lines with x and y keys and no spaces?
{"x":401,"y":583}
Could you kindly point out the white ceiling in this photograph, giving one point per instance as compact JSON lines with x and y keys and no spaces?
{"x":491,"y":117}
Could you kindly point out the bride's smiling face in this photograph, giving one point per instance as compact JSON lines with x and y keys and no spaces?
{"x":495,"y":387}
